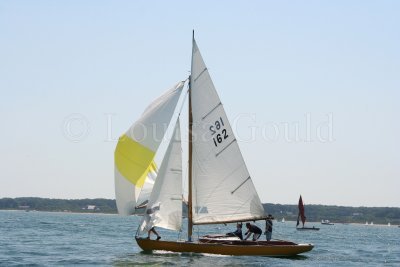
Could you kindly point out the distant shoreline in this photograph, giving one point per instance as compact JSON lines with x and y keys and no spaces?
{"x":62,"y":212}
{"x":314,"y":213}
{"x":287,"y":221}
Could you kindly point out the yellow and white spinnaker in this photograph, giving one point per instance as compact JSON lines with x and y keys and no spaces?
{"x":135,"y":151}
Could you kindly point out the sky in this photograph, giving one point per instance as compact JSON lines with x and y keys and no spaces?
{"x":311,"y":89}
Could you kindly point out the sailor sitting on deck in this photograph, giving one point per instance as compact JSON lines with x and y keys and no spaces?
{"x":238,"y":231}
{"x":253,"y":229}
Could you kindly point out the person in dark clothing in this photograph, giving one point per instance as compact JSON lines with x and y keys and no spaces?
{"x":152,"y":230}
{"x":238,"y":231}
{"x":268,"y":227}
{"x":253,"y":229}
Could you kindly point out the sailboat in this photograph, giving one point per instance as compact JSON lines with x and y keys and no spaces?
{"x":302,"y":217}
{"x":220,"y":188}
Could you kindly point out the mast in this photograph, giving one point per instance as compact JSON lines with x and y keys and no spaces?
{"x":190,"y":215}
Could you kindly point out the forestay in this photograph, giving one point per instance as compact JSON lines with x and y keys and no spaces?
{"x":222,"y":188}
{"x":135,"y":150}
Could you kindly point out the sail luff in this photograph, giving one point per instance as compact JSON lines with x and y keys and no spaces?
{"x":190,"y":148}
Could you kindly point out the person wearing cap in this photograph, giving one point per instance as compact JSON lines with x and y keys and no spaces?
{"x":268,"y":227}
{"x":253,"y":229}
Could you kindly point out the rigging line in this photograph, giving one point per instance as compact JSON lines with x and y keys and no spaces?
{"x":183,"y":102}
{"x":248,"y":178}
{"x":138,"y":230}
{"x":184,"y":172}
{"x":219,"y":104}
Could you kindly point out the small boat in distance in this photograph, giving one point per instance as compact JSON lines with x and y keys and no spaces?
{"x":283,"y":220}
{"x":303,"y":218}
{"x":326,"y":222}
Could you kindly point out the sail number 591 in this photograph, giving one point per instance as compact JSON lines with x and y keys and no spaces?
{"x":218,"y":124}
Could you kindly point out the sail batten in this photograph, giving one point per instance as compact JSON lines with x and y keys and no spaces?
{"x":234,"y":140}
{"x":211,"y":111}
{"x":248,"y":178}
{"x":205,"y":69}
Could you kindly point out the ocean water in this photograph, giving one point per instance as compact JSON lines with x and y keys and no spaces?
{"x":66,"y":239}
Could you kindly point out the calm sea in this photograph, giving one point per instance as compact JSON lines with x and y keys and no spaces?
{"x":53,"y":239}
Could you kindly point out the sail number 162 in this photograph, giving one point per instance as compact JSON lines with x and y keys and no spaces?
{"x":218,"y":124}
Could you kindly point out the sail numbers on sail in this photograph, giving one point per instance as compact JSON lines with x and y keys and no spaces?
{"x":218,"y":124}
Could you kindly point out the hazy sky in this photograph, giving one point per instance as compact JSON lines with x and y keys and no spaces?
{"x":311,"y":89}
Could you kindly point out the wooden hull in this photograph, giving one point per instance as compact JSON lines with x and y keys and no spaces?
{"x":237,"y":248}
{"x":308,"y":229}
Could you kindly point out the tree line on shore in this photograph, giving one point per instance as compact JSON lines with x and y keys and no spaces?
{"x":314,"y":213}
{"x":64,"y":205}
{"x":338,"y":214}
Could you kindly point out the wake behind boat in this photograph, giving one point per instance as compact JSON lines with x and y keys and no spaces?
{"x":220,"y":188}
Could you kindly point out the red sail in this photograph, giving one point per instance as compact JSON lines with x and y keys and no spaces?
{"x":301,"y":212}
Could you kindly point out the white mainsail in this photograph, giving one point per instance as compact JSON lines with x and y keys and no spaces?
{"x":222,"y":188}
{"x":136,"y":149}
{"x":165,"y":204}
